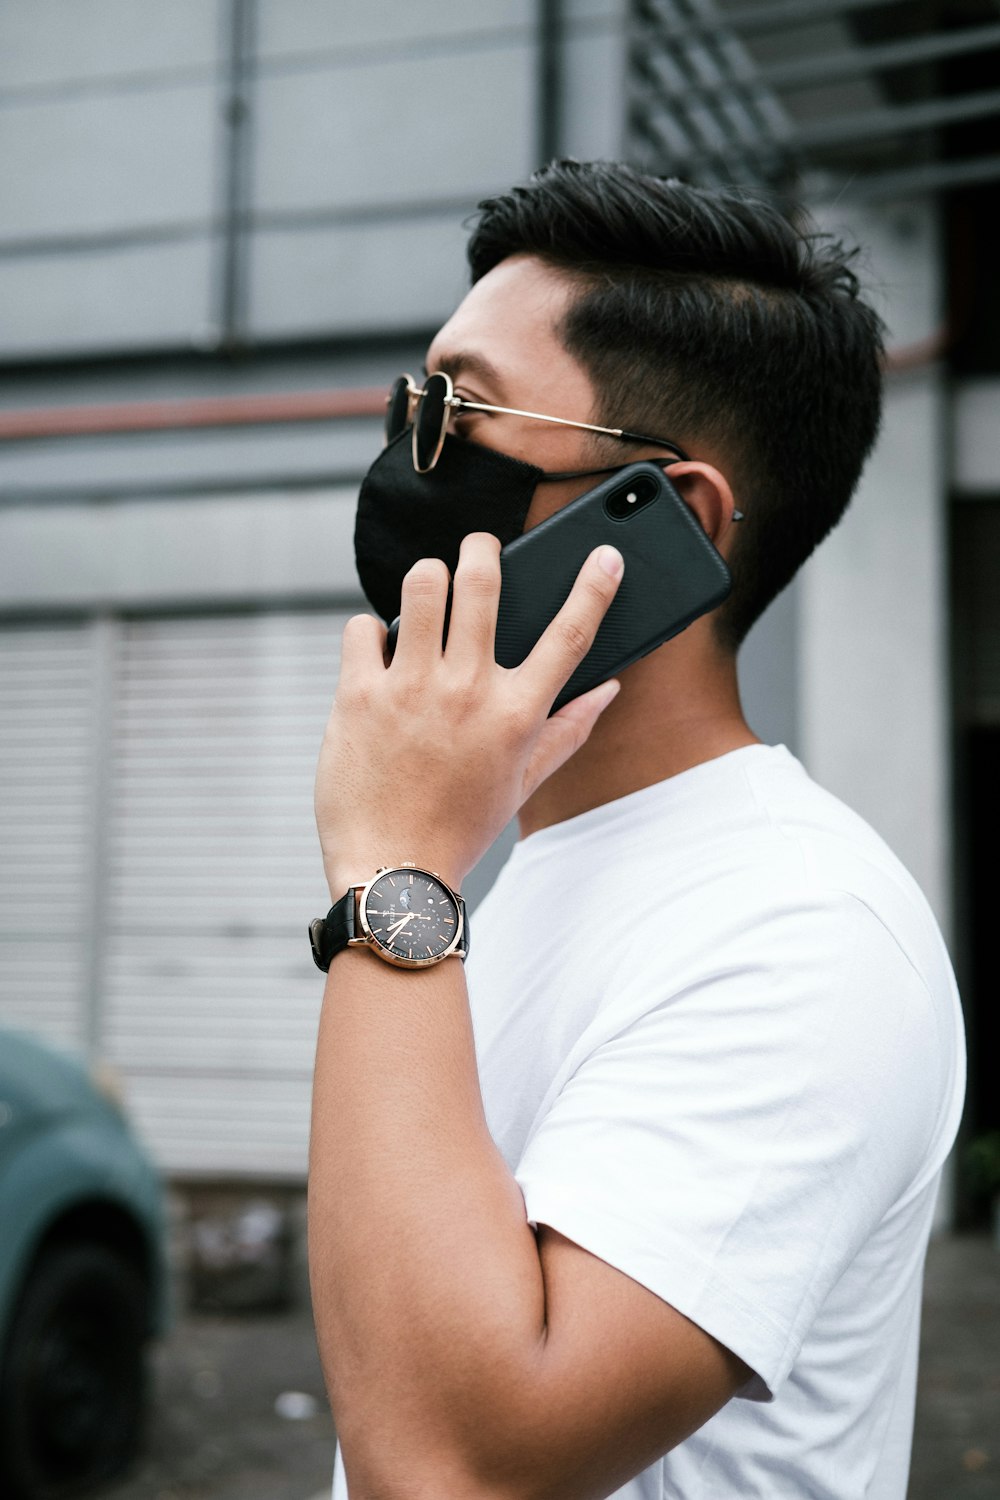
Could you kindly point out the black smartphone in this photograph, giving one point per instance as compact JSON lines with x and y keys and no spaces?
{"x":673,"y":574}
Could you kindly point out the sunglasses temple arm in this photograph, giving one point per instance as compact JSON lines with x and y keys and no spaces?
{"x":616,"y":432}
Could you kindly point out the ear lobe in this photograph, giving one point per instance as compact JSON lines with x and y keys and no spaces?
{"x":706,"y":491}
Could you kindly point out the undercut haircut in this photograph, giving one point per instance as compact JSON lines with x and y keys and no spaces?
{"x":708,"y":315}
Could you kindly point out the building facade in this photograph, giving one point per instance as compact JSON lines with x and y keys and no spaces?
{"x":226,"y":225}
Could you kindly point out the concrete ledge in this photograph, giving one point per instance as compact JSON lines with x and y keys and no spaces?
{"x":154,"y":554}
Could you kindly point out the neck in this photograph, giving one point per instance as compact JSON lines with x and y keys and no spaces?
{"x":677,"y":707}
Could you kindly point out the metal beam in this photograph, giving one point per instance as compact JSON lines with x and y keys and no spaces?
{"x":857,"y":61}
{"x":701,"y":107}
{"x":877,"y":124}
{"x":890,"y":55}
{"x":700,"y":98}
{"x":234,"y":250}
{"x":900,"y":120}
{"x":550,"y":79}
{"x":774,"y":16}
{"x":933,"y":177}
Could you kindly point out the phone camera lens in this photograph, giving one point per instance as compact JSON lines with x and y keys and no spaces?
{"x":627,"y":501}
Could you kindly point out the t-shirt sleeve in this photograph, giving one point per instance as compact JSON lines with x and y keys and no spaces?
{"x":733,"y":1145}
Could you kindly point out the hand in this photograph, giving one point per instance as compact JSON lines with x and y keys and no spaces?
{"x":429,"y":758}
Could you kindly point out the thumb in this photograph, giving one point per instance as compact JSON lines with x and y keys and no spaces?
{"x":566,"y":731}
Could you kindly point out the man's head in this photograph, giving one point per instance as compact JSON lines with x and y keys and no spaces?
{"x":706,"y":317}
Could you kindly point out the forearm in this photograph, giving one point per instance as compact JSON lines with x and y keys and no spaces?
{"x":429,"y":1293}
{"x":427,"y":1285}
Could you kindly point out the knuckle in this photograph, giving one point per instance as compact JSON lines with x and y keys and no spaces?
{"x":574,"y":637}
{"x":519,"y":721}
{"x":356,"y":631}
{"x":462,"y":691}
{"x":428,"y":577}
{"x":600,"y":588}
{"x":479,"y":577}
{"x":355,"y":626}
{"x":353,"y":692}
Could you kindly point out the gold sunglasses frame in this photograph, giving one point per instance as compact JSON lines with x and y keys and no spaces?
{"x":457,"y":403}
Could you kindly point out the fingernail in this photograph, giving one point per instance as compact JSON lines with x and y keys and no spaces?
{"x":611,"y":561}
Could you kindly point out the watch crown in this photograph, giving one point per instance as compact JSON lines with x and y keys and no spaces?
{"x":408,"y":864}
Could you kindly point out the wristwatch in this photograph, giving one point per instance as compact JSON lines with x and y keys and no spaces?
{"x":408,"y":916}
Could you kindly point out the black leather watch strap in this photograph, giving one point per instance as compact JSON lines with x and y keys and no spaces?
{"x":329,"y":934}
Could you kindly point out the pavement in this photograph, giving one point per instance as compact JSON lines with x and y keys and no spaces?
{"x":239,"y":1411}
{"x":956,"y":1439}
{"x":221,"y":1383}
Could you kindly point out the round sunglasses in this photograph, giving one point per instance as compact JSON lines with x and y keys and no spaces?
{"x":428,"y":409}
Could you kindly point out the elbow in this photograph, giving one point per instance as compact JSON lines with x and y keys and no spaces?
{"x":464,"y":1428}
{"x":438,"y":1475}
{"x":434,"y":1457}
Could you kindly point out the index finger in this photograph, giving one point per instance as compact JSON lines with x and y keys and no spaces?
{"x":565,"y":642}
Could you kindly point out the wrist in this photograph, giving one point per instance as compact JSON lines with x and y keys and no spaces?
{"x":342,"y":875}
{"x":406,"y":913}
{"x":346,"y":871}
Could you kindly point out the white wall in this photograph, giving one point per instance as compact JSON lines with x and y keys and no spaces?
{"x":874,"y":626}
{"x":873,"y":646}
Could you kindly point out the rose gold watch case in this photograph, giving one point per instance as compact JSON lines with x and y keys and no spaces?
{"x":369,"y":940}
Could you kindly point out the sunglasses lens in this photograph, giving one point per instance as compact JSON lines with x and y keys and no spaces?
{"x":431,"y":418}
{"x":397,"y":408}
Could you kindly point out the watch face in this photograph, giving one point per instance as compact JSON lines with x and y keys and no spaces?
{"x":411,"y":916}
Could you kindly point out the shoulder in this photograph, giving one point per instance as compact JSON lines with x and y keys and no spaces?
{"x":790,"y":923}
{"x":847,"y":870}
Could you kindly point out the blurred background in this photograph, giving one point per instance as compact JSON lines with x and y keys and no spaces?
{"x":225,"y":226}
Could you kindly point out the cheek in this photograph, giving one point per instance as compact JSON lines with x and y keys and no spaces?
{"x":548,"y":498}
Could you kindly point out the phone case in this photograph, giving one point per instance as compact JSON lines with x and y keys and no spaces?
{"x":673,"y":574}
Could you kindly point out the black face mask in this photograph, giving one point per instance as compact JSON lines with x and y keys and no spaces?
{"x":403,"y":516}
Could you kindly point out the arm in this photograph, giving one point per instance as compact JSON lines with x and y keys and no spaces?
{"x":463,"y":1356}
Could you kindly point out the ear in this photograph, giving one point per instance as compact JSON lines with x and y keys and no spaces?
{"x":707,"y":492}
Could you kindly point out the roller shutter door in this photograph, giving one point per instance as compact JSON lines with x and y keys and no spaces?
{"x":210,"y":998}
{"x":49,"y":752}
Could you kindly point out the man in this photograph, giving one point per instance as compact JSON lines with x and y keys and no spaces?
{"x":636,"y":1201}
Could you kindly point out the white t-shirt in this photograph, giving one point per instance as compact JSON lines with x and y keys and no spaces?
{"x":720,"y":1047}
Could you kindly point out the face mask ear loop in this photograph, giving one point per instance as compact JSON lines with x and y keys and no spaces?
{"x":593,"y":473}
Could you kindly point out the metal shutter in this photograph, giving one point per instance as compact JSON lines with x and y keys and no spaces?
{"x":211,"y":999}
{"x":50,"y":696}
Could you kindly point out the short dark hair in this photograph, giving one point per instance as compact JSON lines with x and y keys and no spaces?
{"x":707,"y":313}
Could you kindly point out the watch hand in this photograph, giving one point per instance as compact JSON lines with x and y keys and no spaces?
{"x":397,"y":927}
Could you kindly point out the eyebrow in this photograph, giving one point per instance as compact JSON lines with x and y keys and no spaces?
{"x":468,"y":362}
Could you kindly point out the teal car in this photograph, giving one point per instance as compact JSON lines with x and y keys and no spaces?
{"x":83,"y":1280}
